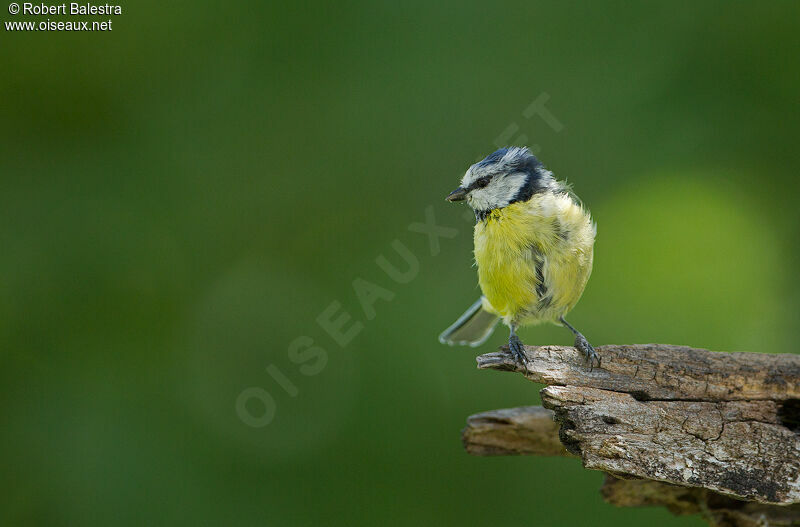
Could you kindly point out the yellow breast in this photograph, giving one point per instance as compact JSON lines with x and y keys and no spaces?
{"x":534,"y":258}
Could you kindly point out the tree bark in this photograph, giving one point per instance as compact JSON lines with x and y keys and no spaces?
{"x":689,"y":429}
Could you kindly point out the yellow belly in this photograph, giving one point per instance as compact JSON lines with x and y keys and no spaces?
{"x":534,"y":258}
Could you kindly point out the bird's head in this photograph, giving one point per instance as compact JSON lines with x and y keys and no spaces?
{"x":504,"y":177}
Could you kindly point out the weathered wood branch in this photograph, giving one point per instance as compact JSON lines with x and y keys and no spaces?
{"x":529,"y":430}
{"x":726,"y":425}
{"x":660,"y":371}
{"x":717,"y":509}
{"x":532,"y":430}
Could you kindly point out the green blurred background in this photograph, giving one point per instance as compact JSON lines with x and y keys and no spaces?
{"x":183,"y":196}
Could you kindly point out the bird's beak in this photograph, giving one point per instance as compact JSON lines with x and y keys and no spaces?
{"x":457,"y":195}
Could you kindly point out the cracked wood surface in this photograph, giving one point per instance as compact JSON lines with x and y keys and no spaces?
{"x":726,"y":422}
{"x":524,"y":431}
{"x":661,"y":371}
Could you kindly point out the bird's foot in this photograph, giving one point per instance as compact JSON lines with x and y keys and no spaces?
{"x":591,"y":355}
{"x":517,"y":350}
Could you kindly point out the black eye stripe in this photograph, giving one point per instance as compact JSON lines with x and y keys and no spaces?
{"x":482,"y":182}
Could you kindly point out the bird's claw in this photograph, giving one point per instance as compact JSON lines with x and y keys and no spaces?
{"x":518,"y":351}
{"x":591,"y":355}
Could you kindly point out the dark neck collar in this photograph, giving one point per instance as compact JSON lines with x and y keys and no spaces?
{"x":481,"y":215}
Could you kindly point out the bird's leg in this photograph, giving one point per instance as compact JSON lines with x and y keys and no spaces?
{"x":583,"y":345}
{"x":517,"y":347}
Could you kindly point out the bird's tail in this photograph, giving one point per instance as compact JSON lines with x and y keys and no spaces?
{"x":472,"y":328}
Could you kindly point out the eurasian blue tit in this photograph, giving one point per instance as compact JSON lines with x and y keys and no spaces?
{"x":533,"y":247}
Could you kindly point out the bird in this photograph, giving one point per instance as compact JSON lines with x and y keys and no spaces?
{"x":534,"y":250}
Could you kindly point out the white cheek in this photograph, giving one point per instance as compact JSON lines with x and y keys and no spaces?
{"x":490,"y":197}
{"x":478,"y":199}
{"x":498,"y":194}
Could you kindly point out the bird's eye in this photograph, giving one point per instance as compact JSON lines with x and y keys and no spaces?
{"x":482,"y":182}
